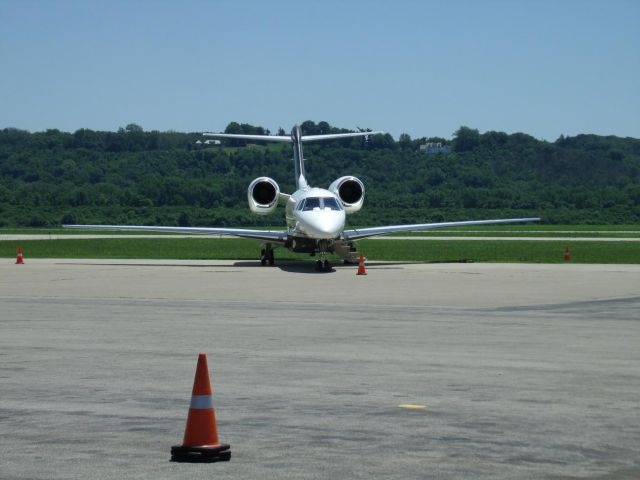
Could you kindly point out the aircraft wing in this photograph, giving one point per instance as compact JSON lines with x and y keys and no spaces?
{"x":359,"y":233}
{"x":273,"y":236}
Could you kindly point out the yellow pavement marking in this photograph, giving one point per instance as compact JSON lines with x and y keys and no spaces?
{"x":413,"y":406}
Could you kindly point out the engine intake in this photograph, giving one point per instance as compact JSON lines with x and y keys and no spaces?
{"x":263,"y":195}
{"x":350,"y":190}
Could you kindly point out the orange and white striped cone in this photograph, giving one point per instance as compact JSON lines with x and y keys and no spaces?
{"x":361,"y":268}
{"x":19,"y":260}
{"x":200,"y":442}
{"x":567,"y":254}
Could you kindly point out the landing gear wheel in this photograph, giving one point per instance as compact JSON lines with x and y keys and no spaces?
{"x":266,"y":255}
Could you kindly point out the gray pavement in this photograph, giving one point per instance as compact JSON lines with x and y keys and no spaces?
{"x":526,"y":371}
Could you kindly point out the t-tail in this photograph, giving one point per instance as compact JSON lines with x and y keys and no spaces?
{"x":298,"y":158}
{"x":297,"y":139}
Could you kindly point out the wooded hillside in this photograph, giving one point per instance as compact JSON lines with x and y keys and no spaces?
{"x":166,"y":178}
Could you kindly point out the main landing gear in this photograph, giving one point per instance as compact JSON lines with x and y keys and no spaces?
{"x":266,"y":255}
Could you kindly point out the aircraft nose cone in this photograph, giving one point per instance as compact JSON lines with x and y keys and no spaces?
{"x":326,"y":224}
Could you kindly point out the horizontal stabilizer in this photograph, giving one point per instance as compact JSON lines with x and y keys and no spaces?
{"x":335,"y":136}
{"x":264,"y":138}
{"x":288,"y":139}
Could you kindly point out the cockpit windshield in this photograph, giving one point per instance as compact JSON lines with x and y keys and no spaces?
{"x":311,"y":203}
{"x":331,"y":204}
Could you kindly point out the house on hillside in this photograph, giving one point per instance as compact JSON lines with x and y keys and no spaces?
{"x":432,"y":148}
{"x":208,"y":143}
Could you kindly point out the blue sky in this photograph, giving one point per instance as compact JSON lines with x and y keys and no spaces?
{"x":419,"y":67}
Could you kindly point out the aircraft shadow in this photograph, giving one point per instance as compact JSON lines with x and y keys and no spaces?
{"x":308,"y":267}
{"x":291,"y":266}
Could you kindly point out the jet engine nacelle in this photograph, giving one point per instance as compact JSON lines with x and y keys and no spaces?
{"x":350,"y":190}
{"x":263,"y":195}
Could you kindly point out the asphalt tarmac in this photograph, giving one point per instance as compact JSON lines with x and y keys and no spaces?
{"x":513,"y":370}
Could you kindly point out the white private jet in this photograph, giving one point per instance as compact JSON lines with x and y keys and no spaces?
{"x":315,"y":216}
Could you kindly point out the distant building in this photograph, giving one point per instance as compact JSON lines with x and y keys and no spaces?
{"x":432,"y":148}
{"x":208,"y":143}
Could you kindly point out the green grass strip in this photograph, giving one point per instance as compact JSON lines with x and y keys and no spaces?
{"x":481,"y":230}
{"x":502,"y":251}
{"x":390,"y":250}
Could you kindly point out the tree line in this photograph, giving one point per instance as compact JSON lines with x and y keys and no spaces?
{"x":167,"y":178}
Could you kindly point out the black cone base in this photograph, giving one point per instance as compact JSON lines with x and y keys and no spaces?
{"x":221,"y":453}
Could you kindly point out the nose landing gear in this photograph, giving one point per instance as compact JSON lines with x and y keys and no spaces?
{"x":323,"y":264}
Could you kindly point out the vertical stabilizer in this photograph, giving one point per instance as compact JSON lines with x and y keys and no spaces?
{"x":298,"y":158}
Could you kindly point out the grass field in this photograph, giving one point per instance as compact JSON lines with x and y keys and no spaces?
{"x":395,"y":250}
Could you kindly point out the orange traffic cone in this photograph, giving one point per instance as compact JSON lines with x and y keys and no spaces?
{"x":361,"y":269}
{"x":19,"y":260}
{"x":567,"y":254}
{"x":200,"y":442}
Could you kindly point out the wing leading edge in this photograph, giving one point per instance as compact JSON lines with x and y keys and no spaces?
{"x":359,"y":233}
{"x":264,"y":235}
